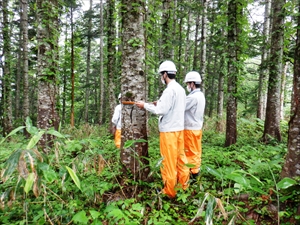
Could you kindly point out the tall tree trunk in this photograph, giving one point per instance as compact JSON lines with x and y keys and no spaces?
{"x":24,"y":25}
{"x":133,"y":79}
{"x":166,"y":36}
{"x":7,"y":80}
{"x":101,"y":99}
{"x":282,"y":89}
{"x":292,"y":161}
{"x":72,"y":123}
{"x":203,"y":45}
{"x":263,"y":71}
{"x":88,"y":65}
{"x":65,"y":75}
{"x":47,"y":68}
{"x":195,"y":57}
{"x":111,"y":55}
{"x":272,"y":122}
{"x":233,"y":60}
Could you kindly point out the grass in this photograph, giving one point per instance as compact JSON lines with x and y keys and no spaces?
{"x":78,"y":182}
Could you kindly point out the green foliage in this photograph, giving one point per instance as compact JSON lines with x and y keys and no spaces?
{"x":78,"y":182}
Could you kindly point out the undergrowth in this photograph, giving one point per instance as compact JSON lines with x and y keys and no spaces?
{"x":77,"y":183}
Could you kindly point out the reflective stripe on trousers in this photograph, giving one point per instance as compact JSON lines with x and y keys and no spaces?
{"x":174,"y":172}
{"x":193,"y":148}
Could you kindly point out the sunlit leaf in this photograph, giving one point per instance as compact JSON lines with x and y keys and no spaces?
{"x":35,"y":139}
{"x":74,"y":177}
{"x":12,"y":133}
{"x":213,"y":172}
{"x":128,"y":143}
{"x":30,"y":129}
{"x":239,"y":179}
{"x":55,"y":133}
{"x":80,"y":217}
{"x":94,"y":214}
{"x":29,"y":182}
{"x":286,"y":183}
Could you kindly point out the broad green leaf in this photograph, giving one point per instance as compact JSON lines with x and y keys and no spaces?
{"x":213,"y":172}
{"x":29,"y":182}
{"x":12,"y":163}
{"x":128,"y":143}
{"x":94,"y":214}
{"x":30,"y":129}
{"x":239,"y":179}
{"x":55,"y":133}
{"x":74,"y":177}
{"x":50,"y":175}
{"x":189,"y":165}
{"x":80,"y":217}
{"x":35,"y":139}
{"x":12,"y":133}
{"x":286,"y":183}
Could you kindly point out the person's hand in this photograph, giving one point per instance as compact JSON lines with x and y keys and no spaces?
{"x":154,"y":103}
{"x":140,"y":104}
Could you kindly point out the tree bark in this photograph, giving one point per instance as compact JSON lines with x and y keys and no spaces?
{"x":72,"y":122}
{"x":272,"y":122}
{"x":111,"y":55}
{"x":233,"y":60}
{"x":101,"y":99}
{"x":7,"y":80}
{"x":47,"y":69}
{"x":133,"y":79}
{"x":88,"y":65}
{"x":203,"y":45}
{"x":24,"y":25}
{"x":263,"y":71}
{"x":291,"y":166}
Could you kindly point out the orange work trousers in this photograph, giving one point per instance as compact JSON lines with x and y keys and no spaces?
{"x":174,"y":172}
{"x":193,"y":148}
{"x":118,"y":138}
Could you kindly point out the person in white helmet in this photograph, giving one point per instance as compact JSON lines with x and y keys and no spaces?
{"x":170,"y":108}
{"x":193,"y":122}
{"x":116,"y":120}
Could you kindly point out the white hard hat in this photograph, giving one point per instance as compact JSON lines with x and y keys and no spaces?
{"x":168,"y":66}
{"x":193,"y":76}
{"x":119,"y":96}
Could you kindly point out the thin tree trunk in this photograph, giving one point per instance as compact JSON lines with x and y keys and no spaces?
{"x":47,"y":69}
{"x":282,"y":89}
{"x":203,"y":45}
{"x":64,"y":94}
{"x":134,"y":121}
{"x":232,"y":37}
{"x":272,"y":122}
{"x":24,"y":24}
{"x":72,"y":123}
{"x":195,"y":57}
{"x":166,"y":30}
{"x":101,"y":99}
{"x":111,"y":56}
{"x":292,"y":161}
{"x":263,"y":74}
{"x":7,"y":80}
{"x":88,"y":65}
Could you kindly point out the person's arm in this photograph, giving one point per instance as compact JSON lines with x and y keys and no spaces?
{"x":162,"y":106}
{"x":116,"y":116}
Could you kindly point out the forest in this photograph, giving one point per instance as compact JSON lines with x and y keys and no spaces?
{"x":63,"y":64}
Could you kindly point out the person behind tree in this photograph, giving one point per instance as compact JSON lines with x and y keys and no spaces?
{"x":170,"y":108}
{"x":193,"y":122}
{"x":116,"y":120}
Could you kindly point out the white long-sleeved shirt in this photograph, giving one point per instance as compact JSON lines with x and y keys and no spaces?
{"x":116,"y":119}
{"x":170,"y":107}
{"x":194,"y":110}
